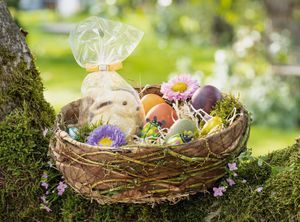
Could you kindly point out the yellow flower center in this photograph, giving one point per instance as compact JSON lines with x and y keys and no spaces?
{"x":179,"y":87}
{"x":105,"y":141}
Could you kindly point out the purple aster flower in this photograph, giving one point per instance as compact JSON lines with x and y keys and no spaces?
{"x":107,"y":135}
{"x":230,"y":182}
{"x":45,"y":185}
{"x":259,"y":189}
{"x":218,"y":191}
{"x":232,"y":166}
{"x":61,"y":188}
{"x":60,"y":192}
{"x":179,"y":88}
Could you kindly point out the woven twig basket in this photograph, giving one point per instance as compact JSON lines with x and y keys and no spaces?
{"x":144,"y":174}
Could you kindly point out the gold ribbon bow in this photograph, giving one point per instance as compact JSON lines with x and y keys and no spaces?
{"x":96,"y":68}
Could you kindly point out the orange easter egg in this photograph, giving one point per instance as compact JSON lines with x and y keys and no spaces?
{"x":164,"y":113}
{"x":151,"y":100}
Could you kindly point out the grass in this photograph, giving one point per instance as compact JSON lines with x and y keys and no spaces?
{"x":152,"y":62}
{"x":264,"y":140}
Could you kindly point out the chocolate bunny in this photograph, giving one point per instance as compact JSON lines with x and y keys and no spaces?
{"x":115,"y":102}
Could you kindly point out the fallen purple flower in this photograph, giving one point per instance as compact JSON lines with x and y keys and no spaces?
{"x":45,"y":175}
{"x":230,"y":182}
{"x":232,"y":166}
{"x":218,"y":191}
{"x":61,"y":188}
{"x":259,"y":189}
{"x":45,"y":185}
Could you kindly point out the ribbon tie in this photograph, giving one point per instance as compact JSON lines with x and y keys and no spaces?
{"x":96,"y":68}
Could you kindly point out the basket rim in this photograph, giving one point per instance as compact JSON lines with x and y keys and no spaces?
{"x":62,"y":134}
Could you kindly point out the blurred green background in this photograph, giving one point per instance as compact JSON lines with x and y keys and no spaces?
{"x":247,"y":47}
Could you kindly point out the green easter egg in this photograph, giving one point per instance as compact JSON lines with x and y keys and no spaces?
{"x":175,"y":140}
{"x":150,"y":130}
{"x":180,"y":126}
{"x":180,"y":138}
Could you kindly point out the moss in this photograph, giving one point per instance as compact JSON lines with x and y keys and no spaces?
{"x":225,"y":107}
{"x":85,"y":130}
{"x":25,"y":89}
{"x":23,"y":153}
{"x":23,"y":148}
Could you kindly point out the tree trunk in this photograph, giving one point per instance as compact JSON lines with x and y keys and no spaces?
{"x":13,"y":51}
{"x":24,"y":114}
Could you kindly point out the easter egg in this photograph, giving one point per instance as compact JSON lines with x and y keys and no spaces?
{"x":164,"y":114}
{"x":73,"y":131}
{"x":181,"y":126}
{"x":206,"y":98}
{"x":211,"y":124}
{"x":180,"y":138}
{"x":175,"y":140}
{"x":150,"y":129}
{"x":151,"y":100}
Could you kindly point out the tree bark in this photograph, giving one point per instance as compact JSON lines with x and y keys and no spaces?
{"x":15,"y":60}
{"x":24,"y":114}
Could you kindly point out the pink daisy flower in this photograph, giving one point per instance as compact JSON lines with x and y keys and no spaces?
{"x":179,"y":88}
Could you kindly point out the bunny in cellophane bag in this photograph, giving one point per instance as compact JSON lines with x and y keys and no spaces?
{"x":100,"y":45}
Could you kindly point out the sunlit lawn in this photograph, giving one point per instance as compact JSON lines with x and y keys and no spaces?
{"x":151,"y":63}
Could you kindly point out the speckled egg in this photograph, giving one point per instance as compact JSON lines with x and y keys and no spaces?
{"x":151,"y":100}
{"x":180,"y":126}
{"x":164,"y":113}
{"x":206,"y":98}
{"x":73,"y":132}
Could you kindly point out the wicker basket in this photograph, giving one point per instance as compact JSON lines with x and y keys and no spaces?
{"x":144,"y":174}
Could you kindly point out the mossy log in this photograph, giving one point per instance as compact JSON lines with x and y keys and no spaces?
{"x":23,"y":154}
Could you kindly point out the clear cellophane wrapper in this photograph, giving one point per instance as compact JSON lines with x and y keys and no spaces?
{"x":100,"y":45}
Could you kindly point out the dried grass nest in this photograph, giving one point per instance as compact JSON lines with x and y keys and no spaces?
{"x":144,"y":174}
